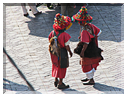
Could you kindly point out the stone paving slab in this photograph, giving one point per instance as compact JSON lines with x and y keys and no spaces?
{"x":27,"y":43}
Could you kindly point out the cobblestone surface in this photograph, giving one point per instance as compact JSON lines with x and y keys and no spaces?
{"x":26,"y":41}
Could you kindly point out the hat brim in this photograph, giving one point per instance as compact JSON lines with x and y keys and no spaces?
{"x":89,"y":20}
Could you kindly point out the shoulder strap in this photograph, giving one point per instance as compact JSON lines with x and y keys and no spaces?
{"x":55,"y":34}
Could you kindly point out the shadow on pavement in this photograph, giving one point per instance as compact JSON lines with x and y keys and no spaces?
{"x":72,"y":91}
{"x":9,"y":85}
{"x":105,"y":88}
{"x":41,"y":25}
{"x":19,"y":88}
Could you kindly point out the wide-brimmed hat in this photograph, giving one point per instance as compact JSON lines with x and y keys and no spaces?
{"x":82,"y":16}
{"x":61,"y":22}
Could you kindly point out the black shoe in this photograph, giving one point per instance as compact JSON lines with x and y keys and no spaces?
{"x":26,"y":15}
{"x":38,"y":13}
{"x":56,"y":83}
{"x":91,"y":82}
{"x":88,"y":83}
{"x":84,"y":80}
{"x":50,"y":7}
{"x":63,"y":86}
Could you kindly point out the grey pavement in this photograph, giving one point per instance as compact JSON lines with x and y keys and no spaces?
{"x":26,"y":41}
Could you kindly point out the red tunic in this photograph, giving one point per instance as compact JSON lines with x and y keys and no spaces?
{"x":86,"y":37}
{"x":56,"y":70}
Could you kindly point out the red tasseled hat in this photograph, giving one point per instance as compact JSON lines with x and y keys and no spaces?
{"x":61,"y":22}
{"x":82,"y":16}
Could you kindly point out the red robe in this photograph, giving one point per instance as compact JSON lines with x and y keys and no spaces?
{"x":86,"y":37}
{"x":56,"y":70}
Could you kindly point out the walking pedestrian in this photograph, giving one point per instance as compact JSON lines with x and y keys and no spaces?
{"x":61,"y":24}
{"x":32,"y":7}
{"x":67,"y":9}
{"x":88,"y":37}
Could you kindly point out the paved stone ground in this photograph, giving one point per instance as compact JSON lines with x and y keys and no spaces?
{"x":26,"y":41}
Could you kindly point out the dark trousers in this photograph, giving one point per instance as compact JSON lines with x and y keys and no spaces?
{"x":67,"y":9}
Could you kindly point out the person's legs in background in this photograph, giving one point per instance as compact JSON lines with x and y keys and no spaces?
{"x":70,"y":9}
{"x":63,"y":8}
{"x":34,"y":9}
{"x":24,"y":9}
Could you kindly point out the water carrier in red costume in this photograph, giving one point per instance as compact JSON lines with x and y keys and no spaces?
{"x":61,"y":24}
{"x":88,"y":33}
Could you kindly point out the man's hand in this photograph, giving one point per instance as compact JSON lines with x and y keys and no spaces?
{"x":83,"y":50}
{"x":70,"y":54}
{"x":79,"y":37}
{"x":68,"y":49}
{"x":82,"y":54}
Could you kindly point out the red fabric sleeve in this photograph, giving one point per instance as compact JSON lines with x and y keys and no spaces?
{"x":96,"y":30}
{"x":50,"y":35}
{"x":85,"y":37}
